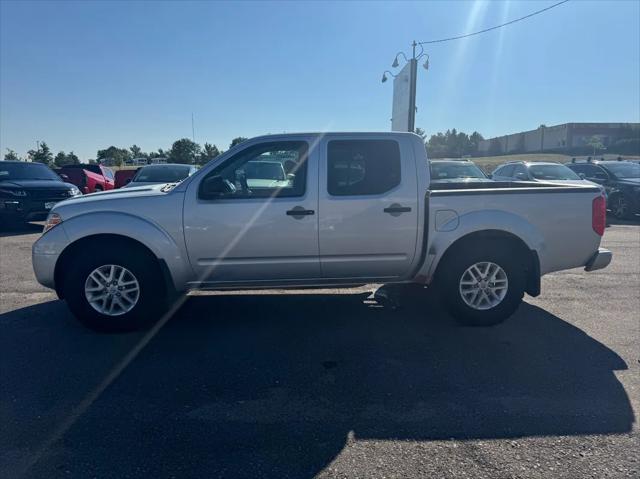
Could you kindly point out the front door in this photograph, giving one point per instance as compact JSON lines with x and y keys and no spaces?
{"x":368,"y":208}
{"x":264,"y":225}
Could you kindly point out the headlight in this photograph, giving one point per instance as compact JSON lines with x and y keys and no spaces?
{"x":52,"y":220}
{"x":13,"y":192}
{"x":74,"y":192}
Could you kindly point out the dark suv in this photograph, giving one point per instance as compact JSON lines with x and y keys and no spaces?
{"x":621,"y":180}
{"x":29,"y":190}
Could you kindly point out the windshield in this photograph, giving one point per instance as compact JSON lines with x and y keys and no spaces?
{"x":263,"y":170}
{"x":624,"y":169}
{"x":162,"y":174}
{"x":445,"y":171}
{"x":552,"y":172}
{"x":26,"y":171}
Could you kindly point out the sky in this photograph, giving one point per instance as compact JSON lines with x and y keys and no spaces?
{"x":86,"y":75}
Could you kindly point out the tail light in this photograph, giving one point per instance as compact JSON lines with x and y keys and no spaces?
{"x":599,"y":215}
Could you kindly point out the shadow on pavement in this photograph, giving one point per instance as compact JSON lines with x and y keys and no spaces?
{"x":20,"y":229}
{"x":259,"y":385}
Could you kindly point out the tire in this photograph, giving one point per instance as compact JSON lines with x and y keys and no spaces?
{"x":145,"y":307}
{"x":620,"y":208}
{"x":458,"y":275}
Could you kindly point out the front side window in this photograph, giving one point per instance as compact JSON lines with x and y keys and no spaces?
{"x":274,"y":169}
{"x":362,"y":167}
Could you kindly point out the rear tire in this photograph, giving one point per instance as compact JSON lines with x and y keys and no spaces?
{"x":482,"y":287}
{"x":134,"y":303}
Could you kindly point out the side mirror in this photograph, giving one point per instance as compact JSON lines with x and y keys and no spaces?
{"x":215,"y":187}
{"x":291,"y":176}
{"x":489,"y":175}
{"x":64,"y":177}
{"x":582,"y":176}
{"x":521,"y":176}
{"x":127,"y":181}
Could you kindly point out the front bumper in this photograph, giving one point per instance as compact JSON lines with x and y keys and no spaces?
{"x":599,"y":260}
{"x":45,"y":253}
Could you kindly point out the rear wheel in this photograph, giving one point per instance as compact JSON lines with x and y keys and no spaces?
{"x":483,"y":286}
{"x":115,"y":292}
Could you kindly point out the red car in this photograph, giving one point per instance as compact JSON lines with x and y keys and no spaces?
{"x":88,"y":178}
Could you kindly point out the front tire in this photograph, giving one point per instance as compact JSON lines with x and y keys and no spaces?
{"x":114,"y":292}
{"x":483,"y":286}
{"x":620,"y":208}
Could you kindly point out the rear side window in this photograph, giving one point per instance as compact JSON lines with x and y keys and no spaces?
{"x":362,"y":167}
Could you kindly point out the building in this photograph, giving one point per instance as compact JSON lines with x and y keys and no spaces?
{"x":560,"y":137}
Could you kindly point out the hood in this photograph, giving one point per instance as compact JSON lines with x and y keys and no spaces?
{"x":571,"y":182}
{"x":126,"y":193}
{"x":36,"y":184}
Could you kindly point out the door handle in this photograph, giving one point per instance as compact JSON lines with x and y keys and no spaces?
{"x":396,"y":209}
{"x":298,"y":212}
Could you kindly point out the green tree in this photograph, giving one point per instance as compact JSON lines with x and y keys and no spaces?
{"x":11,"y":155}
{"x":118,"y":155}
{"x":60,"y":159}
{"x":475,"y":138}
{"x":42,"y":154}
{"x":596,"y":143}
{"x":237,"y":141}
{"x":184,"y":151}
{"x":209,"y":152}
{"x":72,"y":159}
{"x":136,"y":152}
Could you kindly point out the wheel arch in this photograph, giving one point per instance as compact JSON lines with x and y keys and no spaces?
{"x":530,"y":259}
{"x":101,"y":240}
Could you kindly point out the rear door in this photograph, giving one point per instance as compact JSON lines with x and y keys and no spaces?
{"x":368,"y":207}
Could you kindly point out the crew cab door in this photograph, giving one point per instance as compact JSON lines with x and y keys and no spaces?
{"x":368,"y":207}
{"x":264,"y":226}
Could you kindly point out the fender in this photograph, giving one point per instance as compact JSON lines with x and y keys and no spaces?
{"x":473,"y":222}
{"x":140,"y":229}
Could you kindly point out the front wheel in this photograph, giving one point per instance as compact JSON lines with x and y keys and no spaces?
{"x":114,"y":292}
{"x":483,"y":287}
{"x":620,"y":208}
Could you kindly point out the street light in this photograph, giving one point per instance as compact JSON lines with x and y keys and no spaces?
{"x":413,"y":72}
{"x":384,"y":75}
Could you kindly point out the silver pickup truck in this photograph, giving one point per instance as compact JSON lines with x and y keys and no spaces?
{"x":351,"y":208}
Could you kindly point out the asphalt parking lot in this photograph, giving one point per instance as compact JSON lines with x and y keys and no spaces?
{"x":327,"y":384}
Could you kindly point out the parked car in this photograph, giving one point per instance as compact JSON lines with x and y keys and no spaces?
{"x":548,"y":172}
{"x":122,"y":177}
{"x":621,"y":180}
{"x":161,"y":174}
{"x":447,"y":171}
{"x":89,"y":178}
{"x":359,"y":208}
{"x":29,"y":190}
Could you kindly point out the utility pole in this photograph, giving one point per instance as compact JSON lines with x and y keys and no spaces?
{"x":193,"y":130}
{"x":405,"y":99}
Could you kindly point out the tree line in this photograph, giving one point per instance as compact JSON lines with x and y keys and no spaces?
{"x":183,"y":150}
{"x":451,"y":143}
